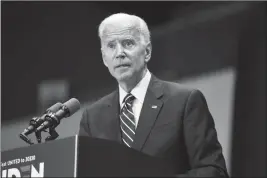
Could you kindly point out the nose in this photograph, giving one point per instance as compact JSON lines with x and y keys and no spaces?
{"x":120,"y":52}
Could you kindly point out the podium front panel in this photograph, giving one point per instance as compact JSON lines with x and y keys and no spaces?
{"x":50,"y":159}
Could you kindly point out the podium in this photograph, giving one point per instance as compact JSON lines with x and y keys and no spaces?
{"x":80,"y":156}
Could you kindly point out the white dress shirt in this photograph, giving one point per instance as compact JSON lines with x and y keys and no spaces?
{"x":139,"y":92}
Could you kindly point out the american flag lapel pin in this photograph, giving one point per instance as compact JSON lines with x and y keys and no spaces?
{"x":154,"y":107}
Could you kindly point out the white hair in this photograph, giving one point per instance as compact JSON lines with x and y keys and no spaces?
{"x":144,"y":31}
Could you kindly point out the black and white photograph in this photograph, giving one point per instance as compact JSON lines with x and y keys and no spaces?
{"x":133,"y":89}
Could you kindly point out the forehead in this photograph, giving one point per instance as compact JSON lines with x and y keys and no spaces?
{"x":120,"y":30}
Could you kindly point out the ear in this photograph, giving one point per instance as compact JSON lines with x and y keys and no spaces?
{"x":103,"y":58}
{"x":148,"y":52}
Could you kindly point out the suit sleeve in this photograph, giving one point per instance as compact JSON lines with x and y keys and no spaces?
{"x":203,"y":148}
{"x":84,"y":129}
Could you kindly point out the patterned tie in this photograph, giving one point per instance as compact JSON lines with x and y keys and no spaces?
{"x":127,"y":120}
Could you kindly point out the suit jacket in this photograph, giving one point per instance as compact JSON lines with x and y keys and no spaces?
{"x":180,"y":130}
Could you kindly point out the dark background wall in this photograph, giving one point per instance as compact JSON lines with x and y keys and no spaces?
{"x":249,"y":141}
{"x":43,"y":41}
{"x":49,"y":40}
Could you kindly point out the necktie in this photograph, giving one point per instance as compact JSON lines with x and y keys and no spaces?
{"x":127,"y":120}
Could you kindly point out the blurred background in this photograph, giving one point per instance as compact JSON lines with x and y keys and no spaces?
{"x":50,"y":52}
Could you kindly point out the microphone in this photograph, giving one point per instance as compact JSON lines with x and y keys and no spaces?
{"x":37,"y":121}
{"x":53,"y":119}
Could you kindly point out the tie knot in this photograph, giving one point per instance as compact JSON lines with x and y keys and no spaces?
{"x":128,"y":98}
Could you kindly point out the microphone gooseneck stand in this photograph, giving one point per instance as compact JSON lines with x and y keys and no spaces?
{"x":50,"y":120}
{"x":53,"y":123}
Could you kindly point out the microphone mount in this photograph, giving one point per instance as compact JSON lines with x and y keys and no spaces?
{"x":53,"y":121}
{"x":50,"y":120}
{"x":50,"y":117}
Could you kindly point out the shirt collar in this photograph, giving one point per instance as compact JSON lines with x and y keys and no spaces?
{"x":139,"y":91}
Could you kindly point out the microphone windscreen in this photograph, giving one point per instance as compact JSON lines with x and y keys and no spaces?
{"x":55,"y":107}
{"x":73,"y":105}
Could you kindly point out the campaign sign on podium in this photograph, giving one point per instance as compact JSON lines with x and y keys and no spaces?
{"x":80,"y":156}
{"x":50,"y":159}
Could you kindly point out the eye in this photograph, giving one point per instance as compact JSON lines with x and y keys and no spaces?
{"x":111,"y":45}
{"x":128,"y":43}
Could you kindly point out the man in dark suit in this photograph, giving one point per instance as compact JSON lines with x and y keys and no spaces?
{"x":156,"y":117}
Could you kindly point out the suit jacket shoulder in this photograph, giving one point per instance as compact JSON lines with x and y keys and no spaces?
{"x":176,"y":91}
{"x":97,"y":112}
{"x":176,"y":88}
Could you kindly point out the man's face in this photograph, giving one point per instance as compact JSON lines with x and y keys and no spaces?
{"x":124,"y":52}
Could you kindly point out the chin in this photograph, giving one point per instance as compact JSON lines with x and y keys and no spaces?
{"x":124,"y":76}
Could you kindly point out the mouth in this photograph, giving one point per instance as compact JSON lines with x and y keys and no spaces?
{"x":123,"y":66}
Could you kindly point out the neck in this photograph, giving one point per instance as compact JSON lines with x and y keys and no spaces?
{"x":129,"y":84}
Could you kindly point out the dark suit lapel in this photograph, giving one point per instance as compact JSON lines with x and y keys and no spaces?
{"x":149,"y":113}
{"x":112,"y":112}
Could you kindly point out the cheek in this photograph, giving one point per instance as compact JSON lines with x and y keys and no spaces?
{"x":108,"y":63}
{"x":108,"y":55}
{"x":137,"y":54}
{"x":139,"y":58}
